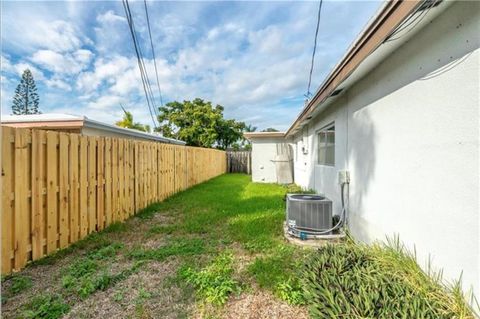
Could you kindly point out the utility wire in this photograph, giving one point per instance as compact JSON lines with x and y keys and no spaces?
{"x":140,"y":62}
{"x":418,"y":19}
{"x":143,"y":68}
{"x":314,"y":49}
{"x":153,"y":52}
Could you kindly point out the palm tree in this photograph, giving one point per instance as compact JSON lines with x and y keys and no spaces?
{"x":250,"y":128}
{"x":127,"y":122}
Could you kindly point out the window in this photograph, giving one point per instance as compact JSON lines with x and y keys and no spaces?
{"x":326,"y":146}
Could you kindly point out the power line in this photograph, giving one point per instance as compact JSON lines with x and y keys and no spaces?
{"x":141,"y":64}
{"x":314,"y":49}
{"x":153,"y":52}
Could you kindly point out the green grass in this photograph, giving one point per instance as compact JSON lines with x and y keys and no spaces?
{"x":180,"y":247}
{"x":230,"y":208}
{"x":162,"y":229}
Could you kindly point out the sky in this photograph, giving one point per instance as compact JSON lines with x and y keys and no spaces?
{"x":251,"y":57}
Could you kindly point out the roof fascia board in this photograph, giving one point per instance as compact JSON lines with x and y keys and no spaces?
{"x":391,"y":16}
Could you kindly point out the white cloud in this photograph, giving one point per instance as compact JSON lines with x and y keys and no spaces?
{"x":62,"y":63}
{"x":57,"y":35}
{"x":57,"y":83}
{"x":16,"y":69}
{"x":104,"y":71}
{"x":109,"y":17}
{"x":106,"y":102}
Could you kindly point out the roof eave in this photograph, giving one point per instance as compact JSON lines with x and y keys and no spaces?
{"x":392,"y":14}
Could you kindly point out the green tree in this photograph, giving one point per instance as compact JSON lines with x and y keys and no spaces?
{"x":270,"y":129}
{"x":229,"y":132}
{"x":250,"y":128}
{"x":127,"y":122}
{"x":26,"y":100}
{"x":198,"y":123}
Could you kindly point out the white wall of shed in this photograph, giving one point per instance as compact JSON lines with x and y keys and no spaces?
{"x":264,"y":151}
{"x":409,"y":134}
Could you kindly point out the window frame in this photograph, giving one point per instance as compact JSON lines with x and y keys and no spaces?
{"x":325,"y":145}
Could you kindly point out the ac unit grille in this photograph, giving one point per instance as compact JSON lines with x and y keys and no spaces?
{"x":309,"y":212}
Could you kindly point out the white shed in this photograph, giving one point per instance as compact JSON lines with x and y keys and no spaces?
{"x":271,"y":157}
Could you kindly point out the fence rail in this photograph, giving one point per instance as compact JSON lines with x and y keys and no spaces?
{"x":59,"y":187}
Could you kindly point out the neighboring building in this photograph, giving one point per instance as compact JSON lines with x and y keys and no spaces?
{"x":400,"y":112}
{"x":80,"y":124}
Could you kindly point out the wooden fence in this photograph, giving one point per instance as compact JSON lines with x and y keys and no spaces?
{"x":239,"y":162}
{"x":58,"y":187}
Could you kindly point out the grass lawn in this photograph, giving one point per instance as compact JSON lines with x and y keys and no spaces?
{"x":217,"y":251}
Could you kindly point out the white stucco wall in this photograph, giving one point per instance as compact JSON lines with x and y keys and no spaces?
{"x":409,"y":134}
{"x":264,"y":151}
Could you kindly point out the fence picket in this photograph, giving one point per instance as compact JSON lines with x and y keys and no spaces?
{"x":52,"y":191}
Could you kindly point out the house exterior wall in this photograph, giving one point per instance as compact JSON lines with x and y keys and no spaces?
{"x":408,"y":132}
{"x":264,"y":151}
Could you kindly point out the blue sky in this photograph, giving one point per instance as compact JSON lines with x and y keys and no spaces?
{"x":251,"y":57}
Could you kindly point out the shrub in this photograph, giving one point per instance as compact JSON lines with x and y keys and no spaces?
{"x":350,"y":280}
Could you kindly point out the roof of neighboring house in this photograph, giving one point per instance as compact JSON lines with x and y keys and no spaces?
{"x":68,"y":121}
{"x":369,"y":49}
{"x":250,"y":135}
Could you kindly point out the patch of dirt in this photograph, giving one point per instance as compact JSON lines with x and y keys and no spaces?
{"x":144,"y":294}
{"x":261,"y":305}
{"x":44,"y":278}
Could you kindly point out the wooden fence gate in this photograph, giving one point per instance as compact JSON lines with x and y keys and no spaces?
{"x":239,"y":162}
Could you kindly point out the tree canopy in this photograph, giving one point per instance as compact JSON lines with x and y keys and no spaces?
{"x":127,"y":122}
{"x":26,"y":99}
{"x":199,"y":123}
{"x":270,"y":129}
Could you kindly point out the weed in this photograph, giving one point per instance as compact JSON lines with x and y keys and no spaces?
{"x":214,"y":283}
{"x":86,"y":276}
{"x":119,"y":295}
{"x":46,"y":307}
{"x":19,"y":284}
{"x":291,"y":291}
